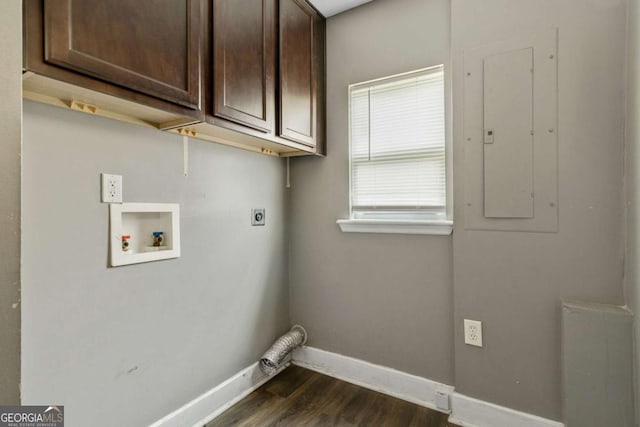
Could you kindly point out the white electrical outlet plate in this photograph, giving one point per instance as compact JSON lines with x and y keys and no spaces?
{"x":257,"y":216}
{"x":473,"y":332}
{"x":111,"y":188}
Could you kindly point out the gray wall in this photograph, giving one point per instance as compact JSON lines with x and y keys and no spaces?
{"x":514,"y":282}
{"x":145,"y":338}
{"x":382,"y":298}
{"x":10,"y":129}
{"x":367,"y":296}
{"x":138,"y":342}
{"x":632,"y":179}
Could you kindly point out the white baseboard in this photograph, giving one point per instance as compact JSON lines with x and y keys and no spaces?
{"x":214,"y":402}
{"x":466,"y":411}
{"x":470,"y":412}
{"x":411,"y":388}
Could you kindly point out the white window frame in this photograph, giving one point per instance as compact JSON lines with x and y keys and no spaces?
{"x":407,"y":226}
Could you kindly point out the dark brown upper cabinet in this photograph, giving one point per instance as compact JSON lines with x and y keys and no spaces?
{"x":268,"y":71}
{"x":147,"y":47}
{"x":244,"y":62}
{"x":301,"y":72}
{"x":246,"y":73}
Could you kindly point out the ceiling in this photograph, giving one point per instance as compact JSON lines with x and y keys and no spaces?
{"x":333,"y":7}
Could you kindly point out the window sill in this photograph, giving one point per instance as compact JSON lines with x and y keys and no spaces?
{"x":437,"y":228}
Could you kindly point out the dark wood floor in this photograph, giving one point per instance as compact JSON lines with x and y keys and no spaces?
{"x":299,"y":397}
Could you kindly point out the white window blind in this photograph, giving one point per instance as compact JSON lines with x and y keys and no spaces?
{"x":397,"y":127}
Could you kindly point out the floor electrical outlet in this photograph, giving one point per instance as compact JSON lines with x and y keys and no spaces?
{"x":442,"y":401}
{"x":111,"y":188}
{"x":473,"y":332}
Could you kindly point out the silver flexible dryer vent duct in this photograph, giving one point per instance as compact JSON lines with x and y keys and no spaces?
{"x":284,"y":345}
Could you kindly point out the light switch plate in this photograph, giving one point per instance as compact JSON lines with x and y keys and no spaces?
{"x":111,"y":188}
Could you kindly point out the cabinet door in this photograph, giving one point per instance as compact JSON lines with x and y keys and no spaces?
{"x":244,"y":62}
{"x":150,"y":46}
{"x":299,"y":72}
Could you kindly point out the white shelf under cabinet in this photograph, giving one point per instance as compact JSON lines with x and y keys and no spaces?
{"x":140,"y":221}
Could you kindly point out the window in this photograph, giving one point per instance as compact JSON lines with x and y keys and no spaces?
{"x":398,"y":152}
